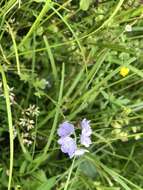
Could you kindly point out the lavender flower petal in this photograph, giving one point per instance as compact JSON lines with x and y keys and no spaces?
{"x":86,"y":129}
{"x":85,"y":140}
{"x":65,"y":129}
{"x":68,"y":145}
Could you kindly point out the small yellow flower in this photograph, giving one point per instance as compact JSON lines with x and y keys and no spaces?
{"x":124,"y":71}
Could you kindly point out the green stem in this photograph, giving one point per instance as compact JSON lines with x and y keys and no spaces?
{"x":57,"y":112}
{"x":51,"y":57}
{"x":15,"y":48}
{"x":9,"y":115}
{"x":69,"y":175}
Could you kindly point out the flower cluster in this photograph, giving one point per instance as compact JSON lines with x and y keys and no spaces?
{"x":11,"y":94}
{"x":32,"y":111}
{"x":68,"y":144}
{"x":27,"y":123}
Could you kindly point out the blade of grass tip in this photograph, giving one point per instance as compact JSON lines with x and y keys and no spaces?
{"x":69,"y":174}
{"x":51,"y":57}
{"x":36,"y":23}
{"x":9,"y":115}
{"x":73,"y":33}
{"x":15,"y":47}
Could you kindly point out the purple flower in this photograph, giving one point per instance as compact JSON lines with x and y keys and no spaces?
{"x":65,"y":129}
{"x":68,"y":145}
{"x":85,"y":140}
{"x":85,"y":133}
{"x":86,"y":129}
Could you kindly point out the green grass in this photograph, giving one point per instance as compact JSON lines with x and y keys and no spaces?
{"x":65,"y":57}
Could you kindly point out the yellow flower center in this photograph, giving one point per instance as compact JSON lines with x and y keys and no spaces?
{"x":124,"y":71}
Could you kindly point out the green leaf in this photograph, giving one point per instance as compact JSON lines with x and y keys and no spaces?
{"x":84,"y":5}
{"x":25,"y":77}
{"x":88,"y":169}
{"x":47,"y":185}
{"x":41,"y":176}
{"x":41,"y":84}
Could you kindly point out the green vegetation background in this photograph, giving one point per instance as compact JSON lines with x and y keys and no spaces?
{"x":65,"y":57}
